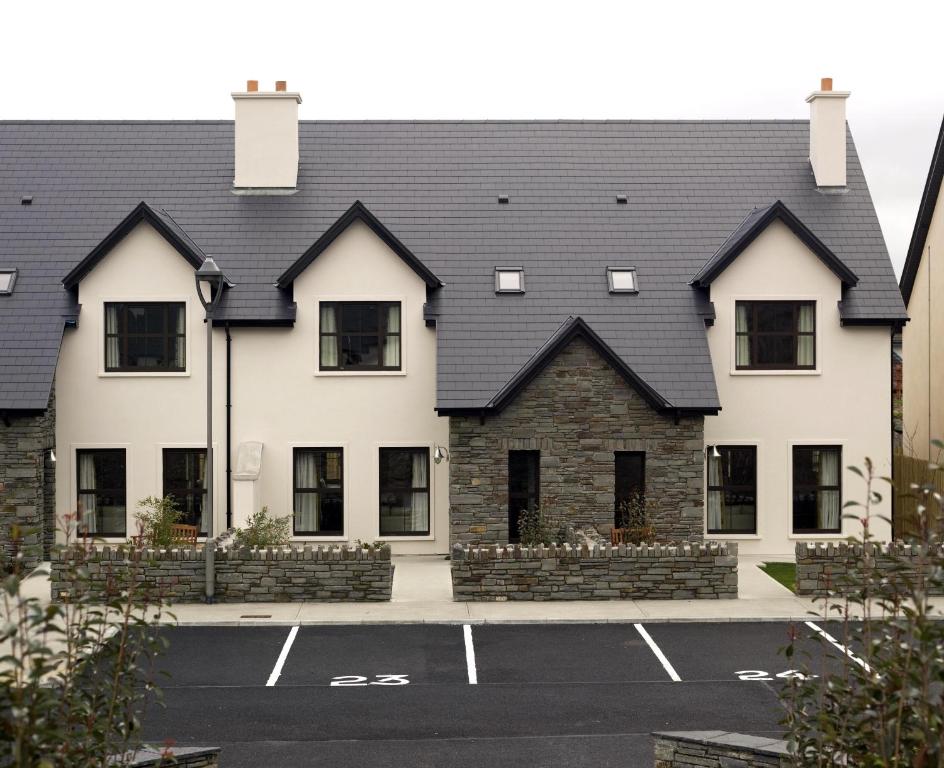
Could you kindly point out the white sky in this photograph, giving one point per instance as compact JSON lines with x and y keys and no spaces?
{"x":485,"y":59}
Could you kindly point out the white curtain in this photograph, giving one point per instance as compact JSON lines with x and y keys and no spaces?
{"x":391,"y":351}
{"x":202,"y":470}
{"x":181,"y":344}
{"x":828,"y":502}
{"x":743,"y":351}
{"x":419,"y":520}
{"x":329,"y":344}
{"x":87,"y":483}
{"x":715,"y":498}
{"x":806,"y":344}
{"x":111,"y":341}
{"x":306,"y":504}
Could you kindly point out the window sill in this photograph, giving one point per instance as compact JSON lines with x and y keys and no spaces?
{"x":336,"y":374}
{"x":143,"y":374}
{"x":733,"y":536}
{"x":775,"y":372}
{"x":392,"y":539}
{"x":317,"y":539}
{"x":815,"y":536}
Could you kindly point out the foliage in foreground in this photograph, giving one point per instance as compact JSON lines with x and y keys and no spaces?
{"x":156,"y":518}
{"x":264,"y":530}
{"x":75,"y":675}
{"x":885,"y":707}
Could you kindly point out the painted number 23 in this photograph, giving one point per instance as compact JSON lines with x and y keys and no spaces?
{"x":356,"y":680}
{"x":757,"y":674}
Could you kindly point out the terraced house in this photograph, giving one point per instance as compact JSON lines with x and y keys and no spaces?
{"x":428,"y":327}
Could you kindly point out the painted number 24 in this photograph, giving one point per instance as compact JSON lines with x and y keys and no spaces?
{"x":757,"y":674}
{"x":356,"y":680}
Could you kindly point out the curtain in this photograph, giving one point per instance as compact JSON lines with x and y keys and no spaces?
{"x":743,"y":350}
{"x":715,"y":498}
{"x":306,"y":504}
{"x":391,"y":351}
{"x":420,"y":501}
{"x":806,"y":344}
{"x":111,"y":341}
{"x":329,"y":344}
{"x":201,"y":469}
{"x":180,"y":356}
{"x":827,"y":502}
{"x":87,"y":483}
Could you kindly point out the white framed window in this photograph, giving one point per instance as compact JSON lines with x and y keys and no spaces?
{"x":622,"y":279}
{"x":509,"y":280}
{"x":7,"y":281}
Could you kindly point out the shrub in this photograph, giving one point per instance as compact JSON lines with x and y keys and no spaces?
{"x":536,"y":527}
{"x":887,"y":708}
{"x":633,"y":517}
{"x":156,"y":517}
{"x":263,"y":530}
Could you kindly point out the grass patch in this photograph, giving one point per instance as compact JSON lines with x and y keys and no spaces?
{"x":785,"y":573}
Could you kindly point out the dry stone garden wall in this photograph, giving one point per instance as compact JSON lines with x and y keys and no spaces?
{"x":834,"y":566}
{"x":320,"y":574}
{"x":718,"y":749}
{"x":626,"y":572}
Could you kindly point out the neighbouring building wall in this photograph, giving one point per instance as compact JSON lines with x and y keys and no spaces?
{"x":845,"y":401}
{"x":577,"y":412}
{"x":923,"y":349}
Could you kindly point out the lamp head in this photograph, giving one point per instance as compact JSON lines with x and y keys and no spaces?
{"x":440,"y":453}
{"x":210,"y":279}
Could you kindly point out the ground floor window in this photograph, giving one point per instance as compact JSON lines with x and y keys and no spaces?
{"x":404,"y":491}
{"x":102,"y":491}
{"x":524,"y":487}
{"x":185,"y":479}
{"x":630,"y":489}
{"x":318,"y":492}
{"x":732,"y":489}
{"x":817,"y":489}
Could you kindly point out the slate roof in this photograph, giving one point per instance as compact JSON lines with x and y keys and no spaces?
{"x":435,"y":185}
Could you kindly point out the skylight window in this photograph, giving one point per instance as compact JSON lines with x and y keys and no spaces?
{"x":7,"y":280}
{"x":622,"y":279}
{"x":509,"y":280}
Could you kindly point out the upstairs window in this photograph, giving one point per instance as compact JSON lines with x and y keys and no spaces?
{"x":509,"y":280}
{"x":145,"y":336}
{"x":621,"y":279}
{"x":7,"y":281}
{"x":359,"y":336}
{"x":775,"y":335}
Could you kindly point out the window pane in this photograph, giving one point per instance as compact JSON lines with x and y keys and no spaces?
{"x":816,"y":489}
{"x":732,"y":489}
{"x":319,"y":492}
{"x":774,"y":317}
{"x":768,"y":334}
{"x":359,"y":318}
{"x":6,"y":281}
{"x":509,"y":280}
{"x":101,"y":482}
{"x":775,"y":350}
{"x":623,"y":280}
{"x":185,"y":480}
{"x":630,"y":488}
{"x":404,"y":491}
{"x":145,"y":336}
{"x":524,"y":487}
{"x":360,"y":350}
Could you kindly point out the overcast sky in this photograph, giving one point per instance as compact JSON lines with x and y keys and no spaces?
{"x":483,"y":59}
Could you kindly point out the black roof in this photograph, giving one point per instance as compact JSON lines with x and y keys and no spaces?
{"x":434,"y":187}
{"x":919,"y":234}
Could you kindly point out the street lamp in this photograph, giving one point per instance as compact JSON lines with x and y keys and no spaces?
{"x":210,"y":281}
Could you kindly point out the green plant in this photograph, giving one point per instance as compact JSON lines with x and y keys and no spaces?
{"x":536,"y":527}
{"x":156,"y":517}
{"x":633,"y":517}
{"x":75,"y":676}
{"x":264,"y":530}
{"x":378,"y":544}
{"x":885,"y":707}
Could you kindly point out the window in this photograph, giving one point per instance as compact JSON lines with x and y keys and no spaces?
{"x":732,"y":489}
{"x":817,"y":489}
{"x":775,"y":335}
{"x":319,"y":492}
{"x":404,"y":491}
{"x":102,"y":491}
{"x":7,"y":281}
{"x":185,"y":480}
{"x":524,"y":488}
{"x":145,"y":336}
{"x":621,"y":279}
{"x":360,"y":336}
{"x":509,"y":280}
{"x":630,"y":487}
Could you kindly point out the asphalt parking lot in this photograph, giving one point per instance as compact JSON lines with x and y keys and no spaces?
{"x":454,"y":695}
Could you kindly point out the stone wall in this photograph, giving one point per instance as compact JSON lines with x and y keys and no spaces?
{"x":626,"y":572}
{"x":320,"y":574}
{"x":577,"y":412}
{"x":27,"y":483}
{"x":835,"y":566}
{"x":179,"y":757}
{"x":718,"y":749}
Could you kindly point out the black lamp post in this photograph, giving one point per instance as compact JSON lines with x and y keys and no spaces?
{"x":210,"y":282}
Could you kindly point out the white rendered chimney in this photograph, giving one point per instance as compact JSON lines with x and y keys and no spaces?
{"x":266,"y":144}
{"x":828,"y":135}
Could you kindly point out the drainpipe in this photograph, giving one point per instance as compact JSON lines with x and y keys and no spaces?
{"x":229,"y":411}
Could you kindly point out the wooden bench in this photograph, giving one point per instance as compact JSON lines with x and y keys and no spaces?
{"x":180,"y":533}
{"x":618,"y":536}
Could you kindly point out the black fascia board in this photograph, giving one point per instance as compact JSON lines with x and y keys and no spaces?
{"x":776,"y":211}
{"x":141,"y":212}
{"x":919,"y":235}
{"x":358,"y":212}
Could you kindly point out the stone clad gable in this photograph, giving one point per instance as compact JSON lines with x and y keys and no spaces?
{"x":578,"y":412}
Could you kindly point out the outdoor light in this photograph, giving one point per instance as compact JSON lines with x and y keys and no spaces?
{"x":210,"y":282}
{"x":52,"y":455}
{"x":440,"y":453}
{"x":714,"y":452}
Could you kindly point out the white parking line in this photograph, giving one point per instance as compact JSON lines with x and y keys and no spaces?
{"x":658,"y":652}
{"x":277,"y":669}
{"x":470,"y":654}
{"x":838,"y":645}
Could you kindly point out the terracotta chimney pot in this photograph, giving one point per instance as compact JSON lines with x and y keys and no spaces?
{"x":252,"y":86}
{"x":826,"y":84}
{"x":281,"y":85}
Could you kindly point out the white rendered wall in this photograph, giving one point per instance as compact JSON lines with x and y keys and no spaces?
{"x":846,"y":401}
